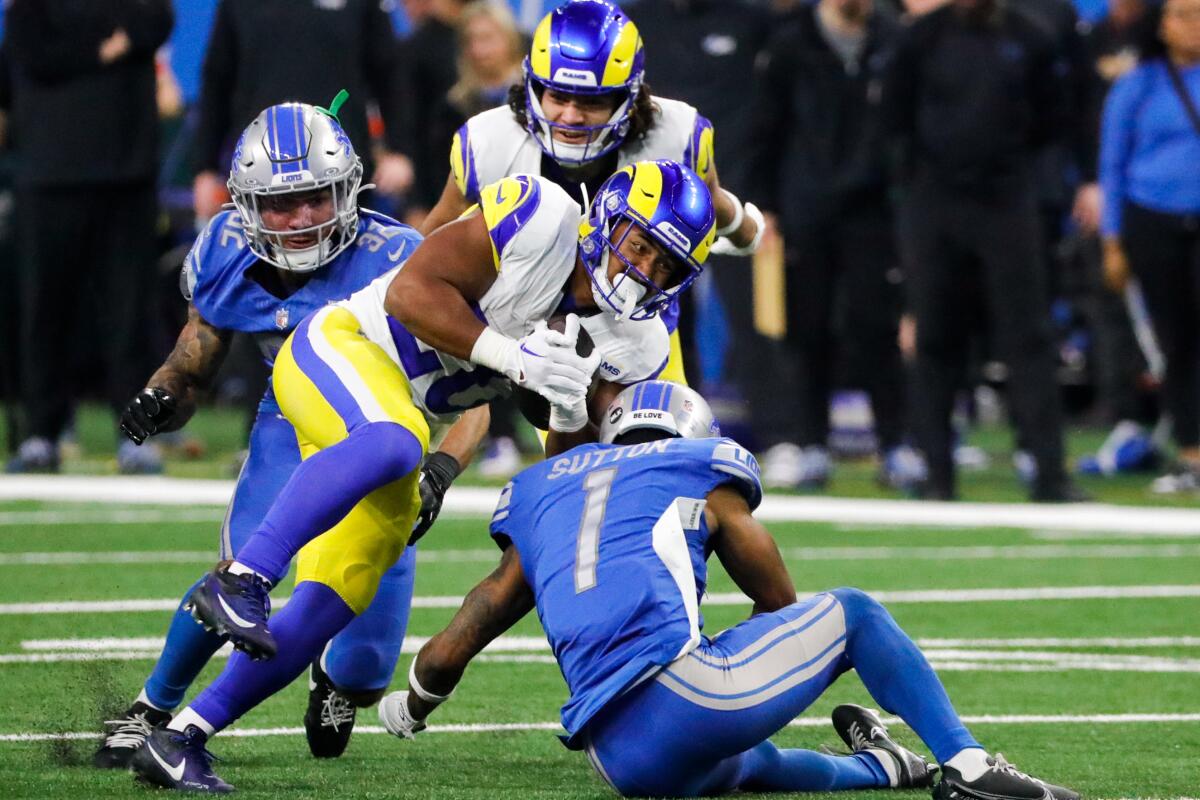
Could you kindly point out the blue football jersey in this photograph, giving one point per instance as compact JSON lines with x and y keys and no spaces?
{"x":613,"y":543}
{"x":215,"y":277}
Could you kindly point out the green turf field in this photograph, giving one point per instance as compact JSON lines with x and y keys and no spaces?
{"x":1051,"y":681}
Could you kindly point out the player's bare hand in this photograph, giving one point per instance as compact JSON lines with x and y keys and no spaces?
{"x":1116,"y":265}
{"x":393,"y":173}
{"x":209,"y":193}
{"x":115,"y":47}
{"x":147,"y":414}
{"x":1089,"y":202}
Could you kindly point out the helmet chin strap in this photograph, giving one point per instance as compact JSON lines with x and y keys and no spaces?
{"x":304,"y":259}
{"x":622,"y":299}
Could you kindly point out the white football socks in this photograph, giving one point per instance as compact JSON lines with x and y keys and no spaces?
{"x":971,"y":763}
{"x":238,"y":568}
{"x":145,"y":699}
{"x":189,"y":717}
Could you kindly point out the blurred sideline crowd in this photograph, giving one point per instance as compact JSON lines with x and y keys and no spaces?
{"x":978,"y":209}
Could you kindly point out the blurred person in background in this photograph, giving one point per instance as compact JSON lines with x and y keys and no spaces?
{"x":429,"y":61}
{"x":1150,"y":174}
{"x":490,"y":51}
{"x":85,"y":127}
{"x":975,"y":92}
{"x":704,"y":53}
{"x":823,"y":170}
{"x":263,"y":52}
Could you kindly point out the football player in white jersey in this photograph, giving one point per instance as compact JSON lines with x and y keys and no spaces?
{"x":363,"y":381}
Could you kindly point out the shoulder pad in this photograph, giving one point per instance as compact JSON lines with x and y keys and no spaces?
{"x":731,"y":458}
{"x":462,"y":164}
{"x":508,"y":205}
{"x":220,"y":244}
{"x":698,"y":154}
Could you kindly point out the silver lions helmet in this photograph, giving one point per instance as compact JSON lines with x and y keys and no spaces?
{"x":659,"y":405}
{"x":294,"y":148}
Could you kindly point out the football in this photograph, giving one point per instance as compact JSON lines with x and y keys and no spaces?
{"x":535,"y":408}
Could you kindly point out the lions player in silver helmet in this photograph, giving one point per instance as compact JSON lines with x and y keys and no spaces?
{"x":608,"y":542}
{"x":295,"y":241}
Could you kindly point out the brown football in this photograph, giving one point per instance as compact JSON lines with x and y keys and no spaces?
{"x":534,"y":407}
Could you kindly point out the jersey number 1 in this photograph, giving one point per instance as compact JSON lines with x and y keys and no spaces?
{"x":587,"y":543}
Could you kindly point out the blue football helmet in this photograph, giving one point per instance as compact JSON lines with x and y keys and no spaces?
{"x":673,"y":205}
{"x":291,"y":148}
{"x":584,"y":47}
{"x":669,"y":407}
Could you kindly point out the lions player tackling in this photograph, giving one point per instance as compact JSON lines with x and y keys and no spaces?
{"x":609,"y":542}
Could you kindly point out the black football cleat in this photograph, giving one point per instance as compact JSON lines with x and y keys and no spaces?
{"x":125,"y":734}
{"x":179,"y":761}
{"x":236,"y":606}
{"x":1002,"y":781}
{"x":329,"y":720}
{"x":863,"y":732}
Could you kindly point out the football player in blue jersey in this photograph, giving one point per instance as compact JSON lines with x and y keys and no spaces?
{"x":296,"y":241}
{"x":608,"y":542}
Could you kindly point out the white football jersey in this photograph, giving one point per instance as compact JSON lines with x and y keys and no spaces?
{"x":491,"y":145}
{"x":534,"y":229}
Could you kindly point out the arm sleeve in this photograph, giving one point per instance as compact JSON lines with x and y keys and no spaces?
{"x":1050,"y":97}
{"x":1116,"y":147}
{"x":898,"y":106}
{"x":383,"y":69}
{"x":148,"y":25}
{"x":220,"y":72}
{"x":46,"y":54}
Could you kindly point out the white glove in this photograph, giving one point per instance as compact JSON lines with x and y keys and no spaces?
{"x":724,"y":247}
{"x":569,"y":419}
{"x":543,"y":361}
{"x":393,"y":713}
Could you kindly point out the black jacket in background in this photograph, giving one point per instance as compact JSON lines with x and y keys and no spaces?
{"x":818,"y":142}
{"x":703,"y":53}
{"x":974,"y":101}
{"x":264,"y":52}
{"x":76,"y":121}
{"x":429,"y":68}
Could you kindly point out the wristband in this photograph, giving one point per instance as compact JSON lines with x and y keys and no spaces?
{"x":738,"y":216}
{"x":419,"y":691}
{"x":498,"y":352}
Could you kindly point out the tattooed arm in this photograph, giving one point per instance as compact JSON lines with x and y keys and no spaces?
{"x":198,"y":354}
{"x":489,"y":610}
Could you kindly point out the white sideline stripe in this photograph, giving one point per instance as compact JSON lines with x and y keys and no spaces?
{"x":953,"y":663}
{"x":803,"y":722}
{"x":722,"y":599}
{"x":108,"y":516}
{"x":477,"y":501}
{"x":487,"y":556}
{"x":504,"y":644}
{"x":1069,"y":536}
{"x":514,"y":644}
{"x":74,"y":558}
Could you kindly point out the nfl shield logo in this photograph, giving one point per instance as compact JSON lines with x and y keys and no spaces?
{"x":687,"y":406}
{"x":281,"y":318}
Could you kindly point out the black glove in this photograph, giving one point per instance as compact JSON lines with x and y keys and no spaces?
{"x":147,"y":413}
{"x":437,"y":473}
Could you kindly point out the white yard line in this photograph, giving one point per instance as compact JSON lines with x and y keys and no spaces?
{"x":803,"y":722}
{"x":489,"y":556}
{"x":722,"y":599}
{"x":476,"y":501}
{"x":109,"y":516}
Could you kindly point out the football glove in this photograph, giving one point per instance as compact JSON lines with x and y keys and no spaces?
{"x":147,"y":413}
{"x":544,"y":361}
{"x":571,"y":418}
{"x":437,"y":473}
{"x":393,"y":713}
